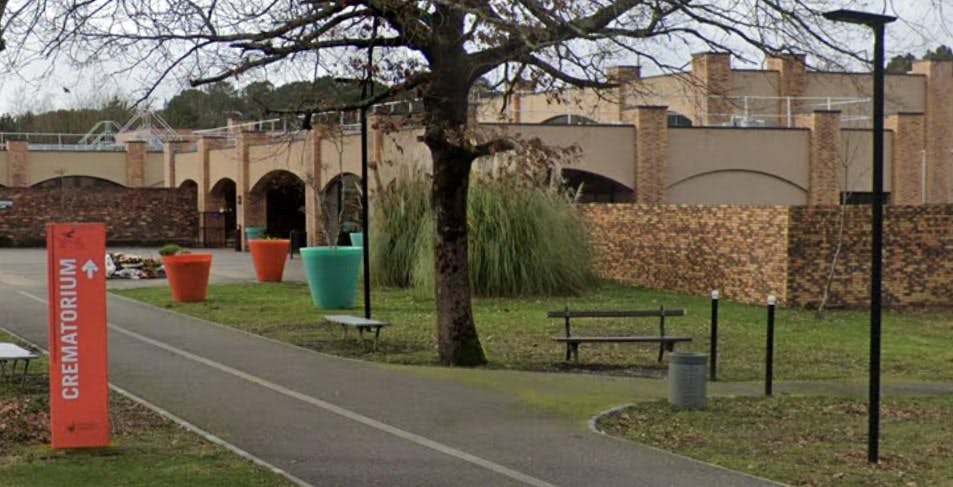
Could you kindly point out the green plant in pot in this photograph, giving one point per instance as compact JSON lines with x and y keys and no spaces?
{"x":186,"y":272}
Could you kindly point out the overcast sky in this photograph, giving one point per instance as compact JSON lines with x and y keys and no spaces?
{"x":41,"y":87}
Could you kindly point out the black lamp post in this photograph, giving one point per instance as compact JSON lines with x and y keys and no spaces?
{"x":876,"y":22}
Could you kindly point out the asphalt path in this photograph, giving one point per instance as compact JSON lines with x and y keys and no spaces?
{"x":326,"y":420}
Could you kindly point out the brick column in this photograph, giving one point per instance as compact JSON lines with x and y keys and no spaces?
{"x":939,"y":128}
{"x":168,"y":163}
{"x":204,"y":201}
{"x":651,"y":153}
{"x":314,"y":216}
{"x":625,"y":76}
{"x":18,"y":164}
{"x":135,"y":164}
{"x":712,"y":75}
{"x":824,"y":185}
{"x":906,"y":183}
{"x":251,"y":211}
{"x":515,"y":112}
{"x":792,"y":82}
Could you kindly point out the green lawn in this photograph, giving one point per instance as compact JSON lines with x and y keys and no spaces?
{"x":803,"y":440}
{"x":146,"y":448}
{"x":516,"y":333}
{"x":794,"y":439}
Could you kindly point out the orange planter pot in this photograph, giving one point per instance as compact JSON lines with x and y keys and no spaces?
{"x":188,"y":276}
{"x":269,"y":257}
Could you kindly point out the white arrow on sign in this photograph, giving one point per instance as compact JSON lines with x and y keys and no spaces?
{"x":90,"y":268}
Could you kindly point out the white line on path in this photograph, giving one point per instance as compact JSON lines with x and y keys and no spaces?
{"x":340,"y":411}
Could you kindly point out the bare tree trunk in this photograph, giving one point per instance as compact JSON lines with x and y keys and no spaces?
{"x":457,"y":339}
{"x":842,"y":216}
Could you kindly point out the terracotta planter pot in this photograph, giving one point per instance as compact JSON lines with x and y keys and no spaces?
{"x":269,"y":257}
{"x":188,"y":276}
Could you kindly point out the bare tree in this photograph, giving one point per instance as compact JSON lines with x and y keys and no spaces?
{"x":437,"y":49}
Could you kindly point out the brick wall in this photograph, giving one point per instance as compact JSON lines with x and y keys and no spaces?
{"x":741,"y":251}
{"x":918,"y":256}
{"x":132,"y":215}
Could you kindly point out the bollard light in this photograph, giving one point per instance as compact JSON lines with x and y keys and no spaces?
{"x":769,"y":348}
{"x":713,"y":342}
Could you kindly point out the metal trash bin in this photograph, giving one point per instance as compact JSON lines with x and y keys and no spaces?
{"x":687,"y":380}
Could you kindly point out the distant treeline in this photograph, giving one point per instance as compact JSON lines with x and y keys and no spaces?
{"x":207,"y":107}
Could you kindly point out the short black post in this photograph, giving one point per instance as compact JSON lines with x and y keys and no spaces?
{"x":769,"y":352}
{"x":713,"y":346}
{"x":293,"y":238}
{"x":238,"y":238}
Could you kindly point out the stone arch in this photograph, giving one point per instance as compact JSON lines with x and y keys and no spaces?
{"x":189,"y":184}
{"x":277,"y":202}
{"x":596,"y":188}
{"x":737,"y":186}
{"x":678,"y":120}
{"x":569,"y":119}
{"x":76,"y":182}
{"x":341,"y":205}
{"x":221,"y":197}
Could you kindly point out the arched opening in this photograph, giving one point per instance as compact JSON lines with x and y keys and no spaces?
{"x":676,"y":120}
{"x":189,"y":184}
{"x":219,"y":217}
{"x":341,"y":201}
{"x":77,"y":182}
{"x":595,"y":188}
{"x":569,"y":119}
{"x":277,"y":200}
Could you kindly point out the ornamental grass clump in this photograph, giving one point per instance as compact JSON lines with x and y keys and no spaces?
{"x":399,"y":211}
{"x":525,"y":239}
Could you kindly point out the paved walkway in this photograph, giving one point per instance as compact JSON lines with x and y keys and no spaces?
{"x":332,"y":421}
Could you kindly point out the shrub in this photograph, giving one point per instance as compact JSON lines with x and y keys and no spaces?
{"x":524,"y":240}
{"x":172,"y":249}
{"x":399,"y":211}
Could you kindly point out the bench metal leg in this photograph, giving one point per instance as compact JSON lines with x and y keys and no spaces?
{"x":377,"y":336}
{"x":26,"y":366}
{"x":568,"y":351}
{"x":661,"y":350}
{"x":575,"y":352}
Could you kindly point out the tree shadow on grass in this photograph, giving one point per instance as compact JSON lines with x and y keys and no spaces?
{"x":653,"y":371}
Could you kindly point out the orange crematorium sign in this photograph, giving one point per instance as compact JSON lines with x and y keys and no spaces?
{"x":79,"y":384}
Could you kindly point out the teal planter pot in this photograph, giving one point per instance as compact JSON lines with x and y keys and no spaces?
{"x":332,"y":275}
{"x":357,"y":239}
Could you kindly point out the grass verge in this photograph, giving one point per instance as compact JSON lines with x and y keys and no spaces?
{"x":147,"y":449}
{"x":803,"y":440}
{"x":516,"y":333}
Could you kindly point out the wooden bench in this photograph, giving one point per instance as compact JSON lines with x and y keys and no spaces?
{"x":348,"y":321}
{"x":13,"y":353}
{"x":572,"y":342}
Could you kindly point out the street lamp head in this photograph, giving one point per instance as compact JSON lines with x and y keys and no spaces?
{"x":857,"y":17}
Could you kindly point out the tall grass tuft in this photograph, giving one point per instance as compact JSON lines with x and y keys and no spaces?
{"x":524,"y":239}
{"x":400,"y":210}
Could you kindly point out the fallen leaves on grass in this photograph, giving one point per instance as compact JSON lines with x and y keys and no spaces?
{"x":24,"y":420}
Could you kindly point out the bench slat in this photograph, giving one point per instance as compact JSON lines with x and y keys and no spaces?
{"x":353,"y":320}
{"x":665,"y":339}
{"x":614,"y":314}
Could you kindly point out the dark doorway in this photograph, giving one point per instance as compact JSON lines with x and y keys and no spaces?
{"x":283,"y":193}
{"x":594,"y":188}
{"x":221,"y":214}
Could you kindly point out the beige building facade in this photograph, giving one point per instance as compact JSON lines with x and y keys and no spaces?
{"x":782,"y":135}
